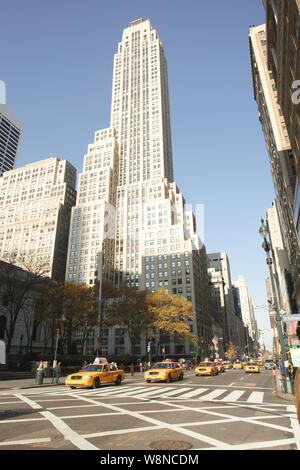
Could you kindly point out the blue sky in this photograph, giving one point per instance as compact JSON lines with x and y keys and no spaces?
{"x":57,"y":60}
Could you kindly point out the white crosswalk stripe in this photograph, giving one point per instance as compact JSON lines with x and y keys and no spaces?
{"x":194,"y":393}
{"x":135,"y":391}
{"x":100,"y":391}
{"x":212,"y":395}
{"x":150,"y":393}
{"x":174,"y":392}
{"x":256,"y":397}
{"x":233,"y":396}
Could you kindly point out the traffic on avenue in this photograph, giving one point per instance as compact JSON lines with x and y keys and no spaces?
{"x":167,"y":407}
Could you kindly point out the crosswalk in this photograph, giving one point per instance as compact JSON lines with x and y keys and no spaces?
{"x":142,"y":392}
{"x":178,"y":393}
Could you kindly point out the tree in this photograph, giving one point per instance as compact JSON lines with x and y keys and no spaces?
{"x":73,"y":309}
{"x":232,"y":352}
{"x":20,"y":277}
{"x":170,"y":314}
{"x":129,"y":310}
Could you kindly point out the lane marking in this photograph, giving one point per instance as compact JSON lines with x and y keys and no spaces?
{"x":62,"y":427}
{"x":198,"y":391}
{"x":150,"y":393}
{"x":25,"y":441}
{"x":256,"y":397}
{"x":296,"y":431}
{"x":162,"y":425}
{"x":233,"y":396}
{"x":212,"y":395}
{"x":174,"y":392}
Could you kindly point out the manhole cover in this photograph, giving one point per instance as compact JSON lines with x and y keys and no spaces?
{"x":171,"y":445}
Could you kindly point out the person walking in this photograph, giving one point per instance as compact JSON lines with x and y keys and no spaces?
{"x":132,"y":369}
{"x":57,"y":371}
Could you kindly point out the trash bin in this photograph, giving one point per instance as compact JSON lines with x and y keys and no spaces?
{"x":39,"y":376}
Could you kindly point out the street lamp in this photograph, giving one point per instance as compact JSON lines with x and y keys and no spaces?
{"x":264,"y":232}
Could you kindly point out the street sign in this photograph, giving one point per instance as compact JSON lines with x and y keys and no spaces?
{"x":294,"y":317}
{"x":295,"y":356}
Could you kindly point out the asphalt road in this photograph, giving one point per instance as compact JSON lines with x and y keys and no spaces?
{"x":231,"y":411}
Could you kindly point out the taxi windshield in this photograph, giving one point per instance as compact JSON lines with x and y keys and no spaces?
{"x":252,"y":363}
{"x":205,"y":364}
{"x":93,"y":368}
{"x":162,"y":365}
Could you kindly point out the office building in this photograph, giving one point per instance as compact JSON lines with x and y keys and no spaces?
{"x":35,"y":209}
{"x":155,"y":239}
{"x":10,"y":134}
{"x":222,"y":289}
{"x":283,"y":58}
{"x":281,"y":155}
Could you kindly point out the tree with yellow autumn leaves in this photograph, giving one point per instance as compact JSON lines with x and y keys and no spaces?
{"x":145,"y":313}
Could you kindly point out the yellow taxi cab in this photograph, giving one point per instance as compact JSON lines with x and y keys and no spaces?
{"x":220,"y":367}
{"x":237,"y":365}
{"x":96,"y":374}
{"x":252,"y":367}
{"x":165,"y":371}
{"x":260,"y":363}
{"x":206,"y":368}
{"x":244,"y":363}
{"x":227,"y":365}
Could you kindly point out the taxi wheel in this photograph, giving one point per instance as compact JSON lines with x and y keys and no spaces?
{"x":96,"y":383}
{"x":181,"y":377}
{"x":118,"y":380}
{"x":168,"y":379}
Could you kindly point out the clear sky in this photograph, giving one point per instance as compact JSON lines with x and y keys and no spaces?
{"x":56,"y":60}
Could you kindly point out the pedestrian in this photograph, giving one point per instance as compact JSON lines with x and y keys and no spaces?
{"x":84,"y":365}
{"x":132,"y":369}
{"x":57,"y":371}
{"x":141,"y":366}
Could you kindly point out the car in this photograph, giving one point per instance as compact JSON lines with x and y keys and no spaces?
{"x":206,"y":368}
{"x":220,"y":367}
{"x":227,"y":365}
{"x":244,"y":363}
{"x":269,"y":364}
{"x":237,"y":365}
{"x":164,"y":371}
{"x":252,"y":367}
{"x":96,"y":374}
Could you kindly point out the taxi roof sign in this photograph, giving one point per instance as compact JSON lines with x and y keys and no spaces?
{"x":100,"y":360}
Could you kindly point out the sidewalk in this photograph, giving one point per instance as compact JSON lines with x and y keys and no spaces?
{"x":279,"y":389}
{"x":29,"y":382}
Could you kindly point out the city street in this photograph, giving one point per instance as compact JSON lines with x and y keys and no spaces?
{"x":231,"y":411}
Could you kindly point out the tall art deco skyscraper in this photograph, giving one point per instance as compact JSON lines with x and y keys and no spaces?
{"x":155,"y":239}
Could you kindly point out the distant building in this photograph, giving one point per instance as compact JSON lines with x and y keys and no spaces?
{"x":10,"y":134}
{"x":221,"y":287}
{"x":35,"y":209}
